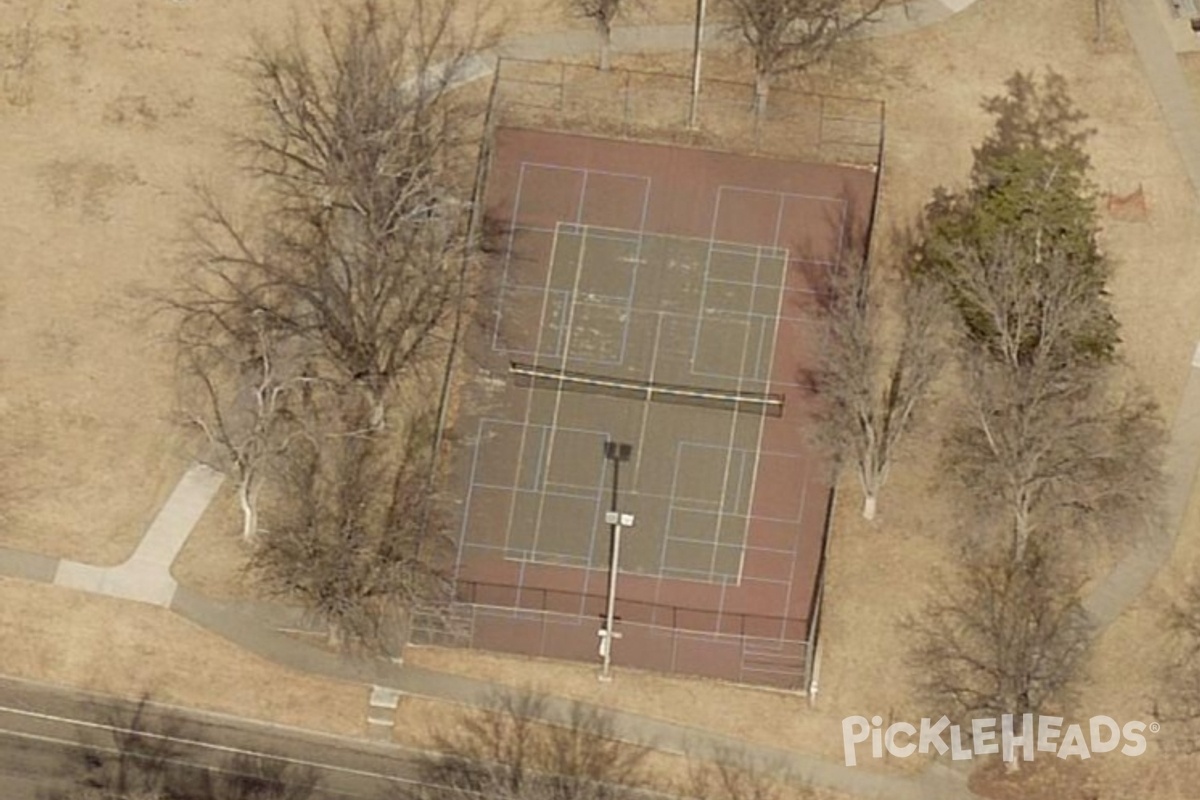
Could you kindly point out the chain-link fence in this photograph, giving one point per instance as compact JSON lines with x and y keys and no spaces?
{"x":656,"y":107}
{"x":744,"y":648}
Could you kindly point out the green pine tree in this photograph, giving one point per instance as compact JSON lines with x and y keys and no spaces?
{"x":1029,"y":203}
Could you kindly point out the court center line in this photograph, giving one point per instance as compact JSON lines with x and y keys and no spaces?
{"x":646,"y":190}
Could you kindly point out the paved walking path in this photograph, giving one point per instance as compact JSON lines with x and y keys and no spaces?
{"x":146,"y":575}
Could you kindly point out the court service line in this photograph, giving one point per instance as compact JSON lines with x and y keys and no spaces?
{"x":629,"y":235}
{"x":637,"y":464}
{"x":737,"y":187}
{"x":564,"y":168}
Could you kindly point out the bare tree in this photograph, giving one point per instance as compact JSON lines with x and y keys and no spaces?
{"x":1000,"y":637}
{"x":733,"y":775}
{"x":146,"y":758}
{"x":364,"y":160}
{"x":358,"y":540}
{"x":869,"y":391}
{"x":602,"y":13}
{"x":518,"y":749}
{"x":1056,"y":450}
{"x":1177,"y":700}
{"x":793,"y":35}
{"x":1048,"y":438}
{"x":1023,"y":306}
{"x":242,"y":387}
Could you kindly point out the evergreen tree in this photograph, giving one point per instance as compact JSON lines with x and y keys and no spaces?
{"x":1029,"y":202}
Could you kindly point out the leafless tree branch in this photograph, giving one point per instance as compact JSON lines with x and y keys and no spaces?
{"x":869,"y":388}
{"x":793,"y":35}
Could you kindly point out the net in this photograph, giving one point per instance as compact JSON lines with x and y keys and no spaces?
{"x":530,"y":375}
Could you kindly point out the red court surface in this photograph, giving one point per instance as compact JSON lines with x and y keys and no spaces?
{"x":638,"y":264}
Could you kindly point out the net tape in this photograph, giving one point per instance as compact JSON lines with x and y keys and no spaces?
{"x":531,"y":375}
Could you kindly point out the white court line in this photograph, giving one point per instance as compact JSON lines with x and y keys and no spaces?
{"x":558,"y":395}
{"x":462,"y":535}
{"x":567,"y":311}
{"x":630,"y":235}
{"x":633,"y":283}
{"x":641,"y":443}
{"x":596,"y":526}
{"x":733,"y":427}
{"x":562,"y":168}
{"x":662,"y":558}
{"x":770,"y":369}
{"x":582,"y":199}
{"x":733,"y":187}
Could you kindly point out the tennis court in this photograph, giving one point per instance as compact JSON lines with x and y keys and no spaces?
{"x":658,"y":297}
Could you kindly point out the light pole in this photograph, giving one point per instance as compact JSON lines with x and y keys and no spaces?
{"x":617,"y":521}
{"x":616,"y":453}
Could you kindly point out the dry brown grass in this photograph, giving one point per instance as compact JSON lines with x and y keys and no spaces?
{"x":126,"y":100}
{"x":125,"y":648}
{"x":214,"y":558}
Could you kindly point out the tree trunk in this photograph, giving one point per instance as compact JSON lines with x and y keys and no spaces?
{"x":378,"y":420}
{"x":334,"y":636}
{"x":605,"y":47}
{"x":762,"y":85}
{"x":869,"y":502}
{"x":1020,"y":535}
{"x":248,"y":500}
{"x":1099,"y":6}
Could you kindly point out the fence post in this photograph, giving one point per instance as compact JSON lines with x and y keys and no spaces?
{"x":562,"y":94}
{"x":625,"y":114}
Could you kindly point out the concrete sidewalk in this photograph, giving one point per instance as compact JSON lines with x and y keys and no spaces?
{"x":146,"y":575}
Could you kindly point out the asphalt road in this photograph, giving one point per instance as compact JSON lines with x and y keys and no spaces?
{"x":45,"y":730}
